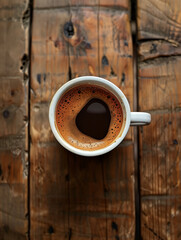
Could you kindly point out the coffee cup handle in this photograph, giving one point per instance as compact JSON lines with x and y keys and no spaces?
{"x":140,"y":118}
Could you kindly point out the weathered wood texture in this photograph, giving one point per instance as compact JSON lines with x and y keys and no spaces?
{"x":74,"y":197}
{"x":159,"y":23}
{"x":48,"y":4}
{"x":13,"y":119}
{"x":159,"y":19}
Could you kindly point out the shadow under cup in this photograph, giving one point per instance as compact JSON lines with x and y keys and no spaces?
{"x":71,"y":98}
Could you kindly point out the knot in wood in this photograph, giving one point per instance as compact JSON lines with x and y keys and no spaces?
{"x":6,"y":114}
{"x":68,"y":29}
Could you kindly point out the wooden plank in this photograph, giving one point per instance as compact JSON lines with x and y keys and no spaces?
{"x":74,"y":197}
{"x":160,"y":177}
{"x":159,"y":150}
{"x":157,"y":19}
{"x":159,"y":93}
{"x":49,"y":161}
{"x":13,"y":120}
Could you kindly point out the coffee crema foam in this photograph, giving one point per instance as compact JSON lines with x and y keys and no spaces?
{"x":72,"y":102}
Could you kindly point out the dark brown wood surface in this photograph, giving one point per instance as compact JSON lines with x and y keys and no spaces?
{"x":13,"y":120}
{"x":65,"y":196}
{"x":75,"y":197}
{"x":159,"y":79}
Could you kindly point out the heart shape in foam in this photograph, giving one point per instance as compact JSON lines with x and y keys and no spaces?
{"x":94,"y":119}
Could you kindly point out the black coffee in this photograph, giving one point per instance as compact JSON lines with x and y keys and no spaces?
{"x":89,"y":117}
{"x":94,"y":119}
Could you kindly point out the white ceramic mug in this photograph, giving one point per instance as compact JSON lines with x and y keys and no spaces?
{"x":130,"y":118}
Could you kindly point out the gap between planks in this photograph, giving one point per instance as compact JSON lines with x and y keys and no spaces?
{"x":164,"y":111}
{"x":160,"y":197}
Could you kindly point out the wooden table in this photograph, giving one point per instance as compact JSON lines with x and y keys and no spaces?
{"x":133,"y":192}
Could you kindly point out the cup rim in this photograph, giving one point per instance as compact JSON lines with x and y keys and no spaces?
{"x":69,"y":85}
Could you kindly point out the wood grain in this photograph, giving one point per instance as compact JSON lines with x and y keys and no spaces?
{"x":13,"y":120}
{"x":75,"y":197}
{"x":160,"y":153}
{"x":159,"y":93}
{"x":157,"y":19}
{"x":102,"y":200}
{"x":116,"y":53}
{"x":123,"y":4}
{"x":49,"y":161}
{"x":161,"y":217}
{"x":116,"y":65}
{"x":159,"y":84}
{"x":157,"y":48}
{"x":49,"y":188}
{"x":83,"y":46}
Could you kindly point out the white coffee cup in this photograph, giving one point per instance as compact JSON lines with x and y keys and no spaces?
{"x":130,"y":118}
